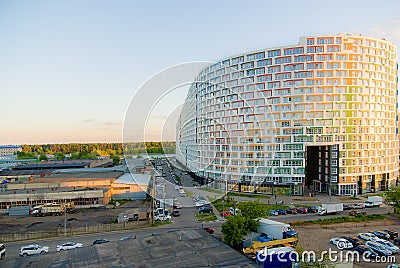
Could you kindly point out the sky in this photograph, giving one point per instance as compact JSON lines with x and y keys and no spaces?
{"x":70,"y":70}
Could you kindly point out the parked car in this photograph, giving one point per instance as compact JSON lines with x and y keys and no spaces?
{"x":291,"y":211}
{"x":367,"y":236}
{"x":358,"y":206}
{"x":209,"y":230}
{"x":176,"y":213}
{"x":100,"y":241}
{"x":301,"y":210}
{"x":2,"y":251}
{"x":176,"y":187}
{"x":381,"y":234}
{"x":347,"y":206}
{"x":397,"y":241}
{"x":281,"y":211}
{"x":273,"y":212}
{"x":162,"y":218}
{"x":226,"y":214}
{"x":388,"y":245}
{"x":205,"y":209}
{"x":234,"y":211}
{"x":355,"y":212}
{"x":341,"y":243}
{"x":128,"y":237}
{"x":393,"y":234}
{"x":314,"y":209}
{"x":370,"y":253}
{"x":353,"y":240}
{"x":32,"y":250}
{"x":69,"y":245}
{"x":378,"y":248}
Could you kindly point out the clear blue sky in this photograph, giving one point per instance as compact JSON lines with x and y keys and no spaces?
{"x":68,"y":69}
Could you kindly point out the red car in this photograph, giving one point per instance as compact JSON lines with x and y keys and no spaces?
{"x":209,"y":230}
{"x":301,"y":210}
{"x":226,"y":214}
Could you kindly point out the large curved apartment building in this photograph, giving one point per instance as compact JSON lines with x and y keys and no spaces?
{"x":320,"y":116}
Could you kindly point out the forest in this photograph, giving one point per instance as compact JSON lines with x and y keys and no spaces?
{"x":101,"y":148}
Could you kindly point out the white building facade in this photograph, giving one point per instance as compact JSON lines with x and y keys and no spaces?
{"x":320,"y":116}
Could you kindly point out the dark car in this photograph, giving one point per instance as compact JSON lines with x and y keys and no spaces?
{"x":381,"y":234}
{"x":291,"y":211}
{"x":176,"y":213}
{"x":209,"y":230}
{"x":347,"y":207}
{"x":353,"y":240}
{"x":205,"y":209}
{"x":397,"y":241}
{"x":363,"y":248}
{"x":301,"y":210}
{"x":393,"y":234}
{"x":357,"y":212}
{"x":281,"y":211}
{"x":100,"y":241}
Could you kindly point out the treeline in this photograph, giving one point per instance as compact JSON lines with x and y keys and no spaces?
{"x":100,"y":148}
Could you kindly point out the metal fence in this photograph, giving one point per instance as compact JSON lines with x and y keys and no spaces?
{"x":61,"y":232}
{"x":358,"y":224}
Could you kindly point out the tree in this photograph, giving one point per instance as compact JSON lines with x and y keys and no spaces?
{"x":394,"y":196}
{"x":234,"y":229}
{"x":59,"y":156}
{"x":251,"y":209}
{"x":43,"y":157}
{"x":116,"y":160}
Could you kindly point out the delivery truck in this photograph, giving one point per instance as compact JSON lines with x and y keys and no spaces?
{"x":374,"y":201}
{"x":330,"y":208}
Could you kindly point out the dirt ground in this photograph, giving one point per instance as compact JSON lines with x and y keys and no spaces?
{"x":78,"y":218}
{"x":315,"y":238}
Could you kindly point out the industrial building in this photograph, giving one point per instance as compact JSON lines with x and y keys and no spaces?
{"x":320,"y":115}
{"x":85,"y":187}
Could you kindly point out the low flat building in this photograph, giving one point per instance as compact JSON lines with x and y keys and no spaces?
{"x":131,"y":186}
{"x":163,"y":248}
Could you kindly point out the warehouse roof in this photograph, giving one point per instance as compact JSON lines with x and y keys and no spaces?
{"x":130,"y":178}
{"x":166,"y":248}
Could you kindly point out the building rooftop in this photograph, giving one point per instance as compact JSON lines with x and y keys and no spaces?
{"x":10,"y":147}
{"x":129,"y":178}
{"x":79,"y":176}
{"x":166,"y":248}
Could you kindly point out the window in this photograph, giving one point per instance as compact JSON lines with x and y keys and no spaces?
{"x":274,"y":53}
{"x":265,"y":62}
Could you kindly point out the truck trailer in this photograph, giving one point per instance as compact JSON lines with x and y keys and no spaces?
{"x":330,"y":208}
{"x":276,"y":229}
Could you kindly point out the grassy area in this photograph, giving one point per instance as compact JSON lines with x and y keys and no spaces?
{"x":211,"y":190}
{"x":188,"y":193}
{"x":207,"y":219}
{"x":305,"y":199}
{"x":159,"y":223}
{"x":229,"y":203}
{"x":258,"y":196}
{"x":346,"y":198}
{"x":359,"y":218}
{"x":204,"y":215}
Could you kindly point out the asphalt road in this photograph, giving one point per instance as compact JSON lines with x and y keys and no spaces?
{"x":186,"y":220}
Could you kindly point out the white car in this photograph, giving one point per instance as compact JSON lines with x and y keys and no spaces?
{"x":388,"y":245}
{"x":69,"y":245}
{"x":341,"y":243}
{"x":32,"y":250}
{"x":367,"y":236}
{"x":162,"y":218}
{"x":176,"y":187}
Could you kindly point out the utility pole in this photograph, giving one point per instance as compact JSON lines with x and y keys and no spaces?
{"x":65,"y":218}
